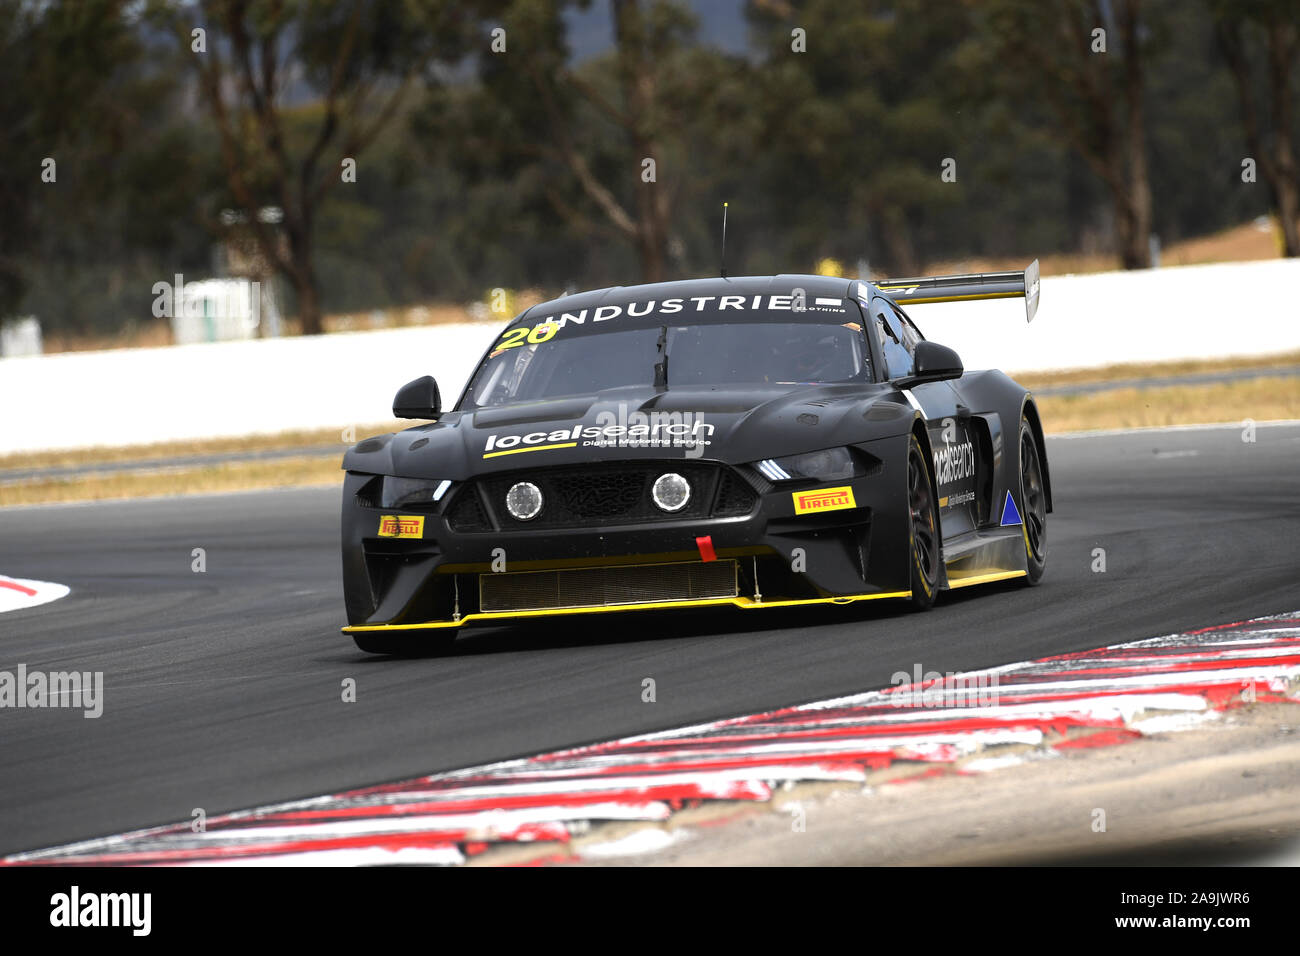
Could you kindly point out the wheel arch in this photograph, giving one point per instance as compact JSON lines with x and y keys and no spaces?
{"x":1030,"y":411}
{"x":923,"y":439}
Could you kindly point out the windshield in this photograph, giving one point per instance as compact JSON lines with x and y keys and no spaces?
{"x":532,"y":363}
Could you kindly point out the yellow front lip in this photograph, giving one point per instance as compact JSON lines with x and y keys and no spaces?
{"x":748,"y":604}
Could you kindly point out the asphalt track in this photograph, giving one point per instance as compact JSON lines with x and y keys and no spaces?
{"x":223,"y":689}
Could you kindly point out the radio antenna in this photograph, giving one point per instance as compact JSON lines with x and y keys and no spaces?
{"x":724,"y":240}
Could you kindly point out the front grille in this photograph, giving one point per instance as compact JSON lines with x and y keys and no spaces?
{"x":605,"y":587}
{"x":603,"y":494}
{"x":368,"y":495}
{"x":607,"y":494}
{"x":735,"y":497}
{"x":466,"y":512}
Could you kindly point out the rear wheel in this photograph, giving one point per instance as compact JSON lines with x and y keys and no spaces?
{"x":1033,"y":495}
{"x":923,"y":551}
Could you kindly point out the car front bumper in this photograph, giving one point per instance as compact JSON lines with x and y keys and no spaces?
{"x":784,"y":556}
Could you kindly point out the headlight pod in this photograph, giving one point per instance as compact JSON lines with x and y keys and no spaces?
{"x":524,"y":501}
{"x":670,"y":492}
{"x":412,"y":492}
{"x":829,"y":464}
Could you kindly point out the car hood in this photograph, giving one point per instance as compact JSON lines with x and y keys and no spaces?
{"x":739,"y":425}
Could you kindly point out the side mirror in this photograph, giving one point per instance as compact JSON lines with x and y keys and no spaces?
{"x":418,"y":399}
{"x":933,"y":363}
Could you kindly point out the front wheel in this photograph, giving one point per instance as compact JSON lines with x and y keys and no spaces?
{"x":1033,"y":495}
{"x":923,"y":550}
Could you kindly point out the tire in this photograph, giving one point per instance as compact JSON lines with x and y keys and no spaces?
{"x":923,"y":529}
{"x":400,"y":645}
{"x":1033,"y":498}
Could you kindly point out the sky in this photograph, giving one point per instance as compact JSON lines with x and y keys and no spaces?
{"x":721,"y":24}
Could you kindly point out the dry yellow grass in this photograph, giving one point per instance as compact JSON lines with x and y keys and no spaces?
{"x":164,"y":452}
{"x":232,"y":476}
{"x":1244,"y":243}
{"x":1112,"y":373}
{"x":1259,"y":399}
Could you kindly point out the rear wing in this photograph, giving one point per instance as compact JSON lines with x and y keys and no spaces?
{"x":987,"y":285}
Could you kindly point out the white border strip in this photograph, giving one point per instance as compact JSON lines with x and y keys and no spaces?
{"x":17,"y":594}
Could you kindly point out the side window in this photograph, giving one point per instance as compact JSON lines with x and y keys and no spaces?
{"x":911,"y":334}
{"x":897,"y":338}
{"x":862,"y":345}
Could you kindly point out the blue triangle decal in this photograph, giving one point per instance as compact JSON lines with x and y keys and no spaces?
{"x":1009,"y":513}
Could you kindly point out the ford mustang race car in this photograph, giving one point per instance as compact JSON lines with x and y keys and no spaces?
{"x":744,"y":442}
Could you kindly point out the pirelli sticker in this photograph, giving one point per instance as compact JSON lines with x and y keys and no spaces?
{"x":823,"y":499}
{"x":401,"y":526}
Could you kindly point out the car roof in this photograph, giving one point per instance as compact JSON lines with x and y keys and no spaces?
{"x":686,"y":288}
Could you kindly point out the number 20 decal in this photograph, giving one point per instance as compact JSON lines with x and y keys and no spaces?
{"x":535,"y":336}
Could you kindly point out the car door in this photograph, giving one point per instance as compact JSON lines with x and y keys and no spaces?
{"x":952,"y":438}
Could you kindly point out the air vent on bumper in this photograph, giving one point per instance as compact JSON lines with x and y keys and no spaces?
{"x":606,"y":587}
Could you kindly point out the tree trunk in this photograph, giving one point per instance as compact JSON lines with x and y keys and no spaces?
{"x":652,"y":231}
{"x":1288,"y":212}
{"x":651,"y":252}
{"x":309,"y":305}
{"x":900,"y":251}
{"x":1133,"y":225}
{"x":1276,"y":157}
{"x":640,"y":93}
{"x":1286,"y":185}
{"x":1133,"y":201}
{"x":303,"y":276}
{"x":308,"y":292}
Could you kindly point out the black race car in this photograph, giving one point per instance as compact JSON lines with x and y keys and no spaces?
{"x":747,"y":442}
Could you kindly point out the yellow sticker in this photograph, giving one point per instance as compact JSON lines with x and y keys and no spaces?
{"x":513,"y":338}
{"x":823,"y":499}
{"x":401,"y":526}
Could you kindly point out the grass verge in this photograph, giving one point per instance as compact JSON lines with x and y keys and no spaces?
{"x":228,"y":476}
{"x":1259,"y":399}
{"x":164,"y":452}
{"x":1137,"y":370}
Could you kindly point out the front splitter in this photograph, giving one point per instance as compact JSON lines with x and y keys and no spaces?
{"x":744,"y":603}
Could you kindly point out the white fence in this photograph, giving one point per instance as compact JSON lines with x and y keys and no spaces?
{"x":138,"y":396}
{"x":1155,"y":315}
{"x":20,"y":336}
{"x":215,"y":310}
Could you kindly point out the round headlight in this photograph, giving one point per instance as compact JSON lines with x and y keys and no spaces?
{"x":671,"y":492}
{"x":524,"y":501}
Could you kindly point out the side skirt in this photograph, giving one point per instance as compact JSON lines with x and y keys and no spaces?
{"x":984,"y":556}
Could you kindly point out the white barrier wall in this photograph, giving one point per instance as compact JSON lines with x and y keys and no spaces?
{"x":1154,"y":315}
{"x":139,"y":396}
